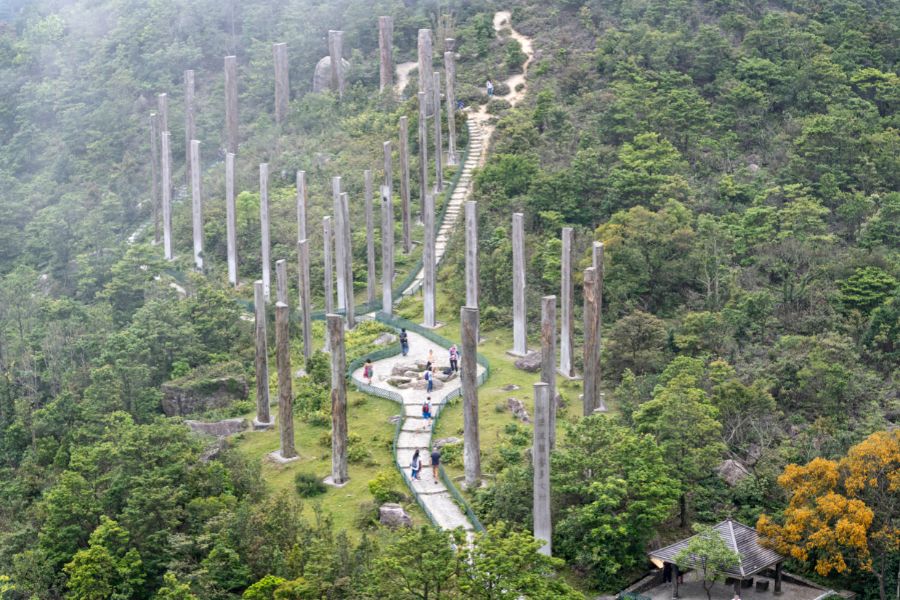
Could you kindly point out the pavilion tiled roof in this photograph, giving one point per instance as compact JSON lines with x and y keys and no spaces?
{"x":742,"y":540}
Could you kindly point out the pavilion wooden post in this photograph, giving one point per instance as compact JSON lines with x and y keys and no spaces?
{"x":301,"y":205}
{"x":190,"y":107}
{"x":591,"y":342}
{"x":597,"y":260}
{"x":520,"y":343}
{"x":154,"y":173}
{"x":264,"y":229}
{"x":450,"y":83}
{"x":548,"y":358}
{"x":167,"y":195}
{"x":327,"y":245}
{"x":387,"y":251}
{"x":567,"y":293}
{"x":282,"y":81}
{"x":231,"y":105}
{"x":438,"y":140}
{"x":303,"y":286}
{"x":336,"y":53}
{"x":778,"y":572}
{"x":196,"y":205}
{"x":385,"y":53}
{"x":338,"y":241}
{"x":338,"y":401}
{"x":263,"y":418}
{"x":468,"y":318}
{"x":371,"y":282}
{"x":423,"y":151}
{"x":404,"y":183}
{"x":425,"y":51}
{"x":231,"y":220}
{"x":471,"y":253}
{"x":281,"y":285}
{"x":350,"y":300}
{"x":541,"y":462}
{"x":162,"y":108}
{"x":285,"y":394}
{"x":428,"y":262}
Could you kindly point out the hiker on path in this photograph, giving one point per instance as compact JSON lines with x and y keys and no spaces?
{"x":416,"y":465}
{"x":429,"y":379}
{"x":426,"y":412}
{"x":454,"y":359}
{"x":490,"y":88}
{"x":435,"y":463}
{"x":368,"y":371}
{"x":404,"y":342}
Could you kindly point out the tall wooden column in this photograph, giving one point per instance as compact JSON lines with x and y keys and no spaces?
{"x":190,"y":108}
{"x":264,"y":229}
{"x":468,"y":374}
{"x":591,"y":343}
{"x":567,"y":295}
{"x":471,"y":253}
{"x":301,"y":205}
{"x":450,"y":83}
{"x":327,"y":245}
{"x":423,"y":150}
{"x":387,"y":250}
{"x":349,"y":299}
{"x":167,"y":195}
{"x":371,"y":282}
{"x":597,"y":260}
{"x":541,"y":459}
{"x":285,"y":393}
{"x":196,"y":205}
{"x":303,"y":285}
{"x":520,"y":343}
{"x":231,"y":105}
{"x":231,"y":220}
{"x":438,"y":140}
{"x":339,"y":474}
{"x":385,"y":53}
{"x":425,"y":51}
{"x":162,"y":108}
{"x":338,"y":241}
{"x":263,"y":418}
{"x":154,"y":174}
{"x":282,"y":81}
{"x":428,"y":263}
{"x":404,"y":183}
{"x":336,"y":52}
{"x":548,"y":357}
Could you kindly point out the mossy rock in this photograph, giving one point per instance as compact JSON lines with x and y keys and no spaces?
{"x":205,"y":388}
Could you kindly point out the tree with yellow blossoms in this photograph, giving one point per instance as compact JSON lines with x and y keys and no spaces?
{"x":842,"y":515}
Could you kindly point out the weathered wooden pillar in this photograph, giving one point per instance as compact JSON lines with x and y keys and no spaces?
{"x":371,"y":282}
{"x":548,"y":357}
{"x":285,"y":393}
{"x":567,"y":295}
{"x":338,"y":401}
{"x":231,"y":105}
{"x":264,"y":229}
{"x":338,"y":241}
{"x":386,"y":53}
{"x":327,"y":245}
{"x":190,"y":130}
{"x":597,"y":261}
{"x":468,"y":373}
{"x":450,"y":83}
{"x":471,"y":253}
{"x":387,"y":250}
{"x":428,"y":262}
{"x":591,"y":342}
{"x":167,"y":195}
{"x":281,"y":286}
{"x":263,"y":419}
{"x":303,"y":285}
{"x":350,"y":300}
{"x":196,"y":205}
{"x":162,"y":108}
{"x":282,"y":81}
{"x":520,"y":342}
{"x":423,"y":152}
{"x":154,"y":174}
{"x":540,"y":454}
{"x":231,"y":220}
{"x":404,"y":183}
{"x":438,"y":139}
{"x":301,"y":205}
{"x":336,"y":52}
{"x":777,"y":590}
{"x":425,"y":50}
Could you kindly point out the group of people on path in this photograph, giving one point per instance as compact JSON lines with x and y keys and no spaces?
{"x":416,"y":465}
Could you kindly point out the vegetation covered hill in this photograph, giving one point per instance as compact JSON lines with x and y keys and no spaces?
{"x":740,"y":162}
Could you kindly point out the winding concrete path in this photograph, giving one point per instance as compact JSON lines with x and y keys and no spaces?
{"x":416,"y":433}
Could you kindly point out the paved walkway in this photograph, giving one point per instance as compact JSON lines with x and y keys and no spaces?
{"x":415,"y":433}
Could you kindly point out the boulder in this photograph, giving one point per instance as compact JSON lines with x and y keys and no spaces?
{"x":393,"y":516}
{"x":441,"y":377}
{"x":411,"y":374}
{"x":518,"y":409}
{"x":218,"y":428}
{"x":398,"y":381}
{"x":438,"y":444}
{"x":322,"y":76}
{"x":205,"y":388}
{"x":732,"y":472}
{"x":531,"y":362}
{"x":510,"y":387}
{"x":402,"y":368}
{"x":385,"y":339}
{"x":213,"y":451}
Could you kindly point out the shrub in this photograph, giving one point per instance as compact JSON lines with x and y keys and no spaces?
{"x":451,"y":454}
{"x":366,"y":515}
{"x":384,"y":486}
{"x":308,"y":485}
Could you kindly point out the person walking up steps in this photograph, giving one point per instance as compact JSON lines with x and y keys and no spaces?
{"x":454,"y":359}
{"x":429,"y":380}
{"x":490,"y":88}
{"x":368,"y":371}
{"x":416,"y":465}
{"x":404,"y":342}
{"x":435,"y":463}
{"x":426,"y":412}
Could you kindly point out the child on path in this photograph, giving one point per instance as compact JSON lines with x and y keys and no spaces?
{"x":368,"y":371}
{"x":404,"y":342}
{"x":435,"y":463}
{"x":416,"y":465}
{"x":426,"y":412}
{"x":454,"y":359}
